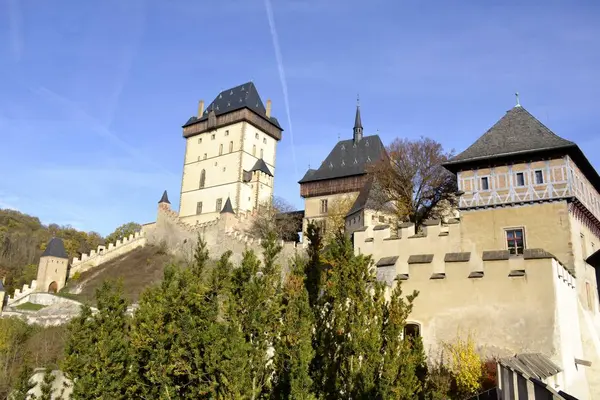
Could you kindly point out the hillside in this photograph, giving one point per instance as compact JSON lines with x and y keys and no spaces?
{"x":137,"y":269}
{"x":23,"y":239}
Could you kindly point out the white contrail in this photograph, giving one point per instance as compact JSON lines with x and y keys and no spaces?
{"x":281,"y":76}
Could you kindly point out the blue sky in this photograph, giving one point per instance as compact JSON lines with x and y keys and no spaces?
{"x":93,"y":93}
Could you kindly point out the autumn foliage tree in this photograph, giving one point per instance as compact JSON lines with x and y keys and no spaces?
{"x":279,"y":217}
{"x":414,"y":180}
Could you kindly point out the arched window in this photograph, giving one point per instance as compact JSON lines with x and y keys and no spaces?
{"x":221,"y":149}
{"x":412,"y":330}
{"x":202,"y":178}
{"x":261,"y":153}
{"x":254,"y":150}
{"x":230,"y":147}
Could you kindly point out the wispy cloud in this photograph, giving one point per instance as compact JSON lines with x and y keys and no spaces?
{"x":282,"y":78}
{"x":15,"y":35}
{"x":78,"y":114}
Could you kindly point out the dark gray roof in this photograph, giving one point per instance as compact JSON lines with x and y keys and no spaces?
{"x":1,"y":288}
{"x":261,"y":166}
{"x":387,"y":261}
{"x":517,"y":132}
{"x":227,"y":208}
{"x":242,"y":96}
{"x":55,"y":248}
{"x":594,"y":261}
{"x":164,"y":198}
{"x":420,"y":258}
{"x":357,"y":120}
{"x":535,"y":365}
{"x":348,"y":158}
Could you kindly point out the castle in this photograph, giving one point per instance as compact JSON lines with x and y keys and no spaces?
{"x":517,"y":263}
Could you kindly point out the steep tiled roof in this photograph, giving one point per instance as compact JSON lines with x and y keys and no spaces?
{"x":55,"y":248}
{"x":242,"y":96}
{"x":164,"y":198}
{"x":517,"y":132}
{"x":348,"y":158}
{"x":227,"y":208}
{"x":261,"y":166}
{"x":365,"y":199}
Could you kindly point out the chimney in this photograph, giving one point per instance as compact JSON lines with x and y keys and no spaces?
{"x":268,"y":109}
{"x":200,"y":108}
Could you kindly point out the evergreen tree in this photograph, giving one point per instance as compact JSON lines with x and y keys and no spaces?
{"x":360,"y":353}
{"x":293,"y":351}
{"x":46,"y":390}
{"x":258,"y":309}
{"x":97,"y":355}
{"x":184,"y":344}
{"x":313,"y":268}
{"x":23,"y":385}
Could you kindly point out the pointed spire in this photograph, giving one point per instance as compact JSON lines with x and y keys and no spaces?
{"x":164,"y":198}
{"x":358,"y":128}
{"x":227,"y":208}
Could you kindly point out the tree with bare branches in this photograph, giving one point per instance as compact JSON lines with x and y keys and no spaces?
{"x":276,"y":216}
{"x":414,"y":180}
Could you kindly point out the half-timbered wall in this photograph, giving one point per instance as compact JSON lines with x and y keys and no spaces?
{"x":333,"y":186}
{"x":560,"y":179}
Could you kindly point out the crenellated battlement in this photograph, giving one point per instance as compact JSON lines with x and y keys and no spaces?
{"x":104,"y":253}
{"x":20,"y":293}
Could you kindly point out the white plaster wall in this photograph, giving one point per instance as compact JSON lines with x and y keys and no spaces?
{"x":568,"y":334}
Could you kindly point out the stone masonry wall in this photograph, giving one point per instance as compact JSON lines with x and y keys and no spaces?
{"x":220,"y":235}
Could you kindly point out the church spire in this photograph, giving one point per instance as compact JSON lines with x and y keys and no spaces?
{"x":358,"y":128}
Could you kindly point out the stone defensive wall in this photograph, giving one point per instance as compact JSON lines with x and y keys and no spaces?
{"x":221,"y":234}
{"x":103,"y":253}
{"x":22,"y":293}
{"x":511,"y":304}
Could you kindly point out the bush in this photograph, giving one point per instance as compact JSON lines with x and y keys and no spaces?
{"x":76,"y":276}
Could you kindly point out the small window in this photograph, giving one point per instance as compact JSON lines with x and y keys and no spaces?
{"x":261,"y":153}
{"x":212,"y":137}
{"x":515,"y":241}
{"x":202,"y":178}
{"x":204,"y":157}
{"x":219,"y":205}
{"x":224,"y":168}
{"x":230,"y":147}
{"x":539,"y":177}
{"x":256,"y":135}
{"x":520,"y":179}
{"x":226,"y":133}
{"x":265,"y":140}
{"x":412,"y":331}
{"x":198,"y":158}
{"x":381,"y":218}
{"x":485,"y":183}
{"x":221,"y":149}
{"x":254,"y":150}
{"x":199,"y":140}
{"x":199,"y":207}
{"x":324,"y":206}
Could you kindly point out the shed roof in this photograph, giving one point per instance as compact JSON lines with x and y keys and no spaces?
{"x":535,"y":365}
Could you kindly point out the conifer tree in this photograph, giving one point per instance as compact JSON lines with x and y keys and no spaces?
{"x":23,"y":385}
{"x":184,"y":342}
{"x":359,"y":348}
{"x":97,"y":354}
{"x":293,"y":351}
{"x":313,"y":268}
{"x":46,"y":390}
{"x":257,"y":292}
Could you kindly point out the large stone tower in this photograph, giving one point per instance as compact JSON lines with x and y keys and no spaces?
{"x":230,"y":153}
{"x":52,"y":270}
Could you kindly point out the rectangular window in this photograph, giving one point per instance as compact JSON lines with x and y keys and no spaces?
{"x":226,"y":133}
{"x":520,"y":179}
{"x":539,"y":177}
{"x":199,"y":207}
{"x":265,"y":140}
{"x":199,"y":140}
{"x":256,"y":135}
{"x":324,"y":206}
{"x":204,"y":156}
{"x":485,"y":183}
{"x":219,"y":205}
{"x":261,"y":153}
{"x":220,"y":149}
{"x":230,"y":147}
{"x":381,"y":218}
{"x":212,"y":137}
{"x":515,"y":241}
